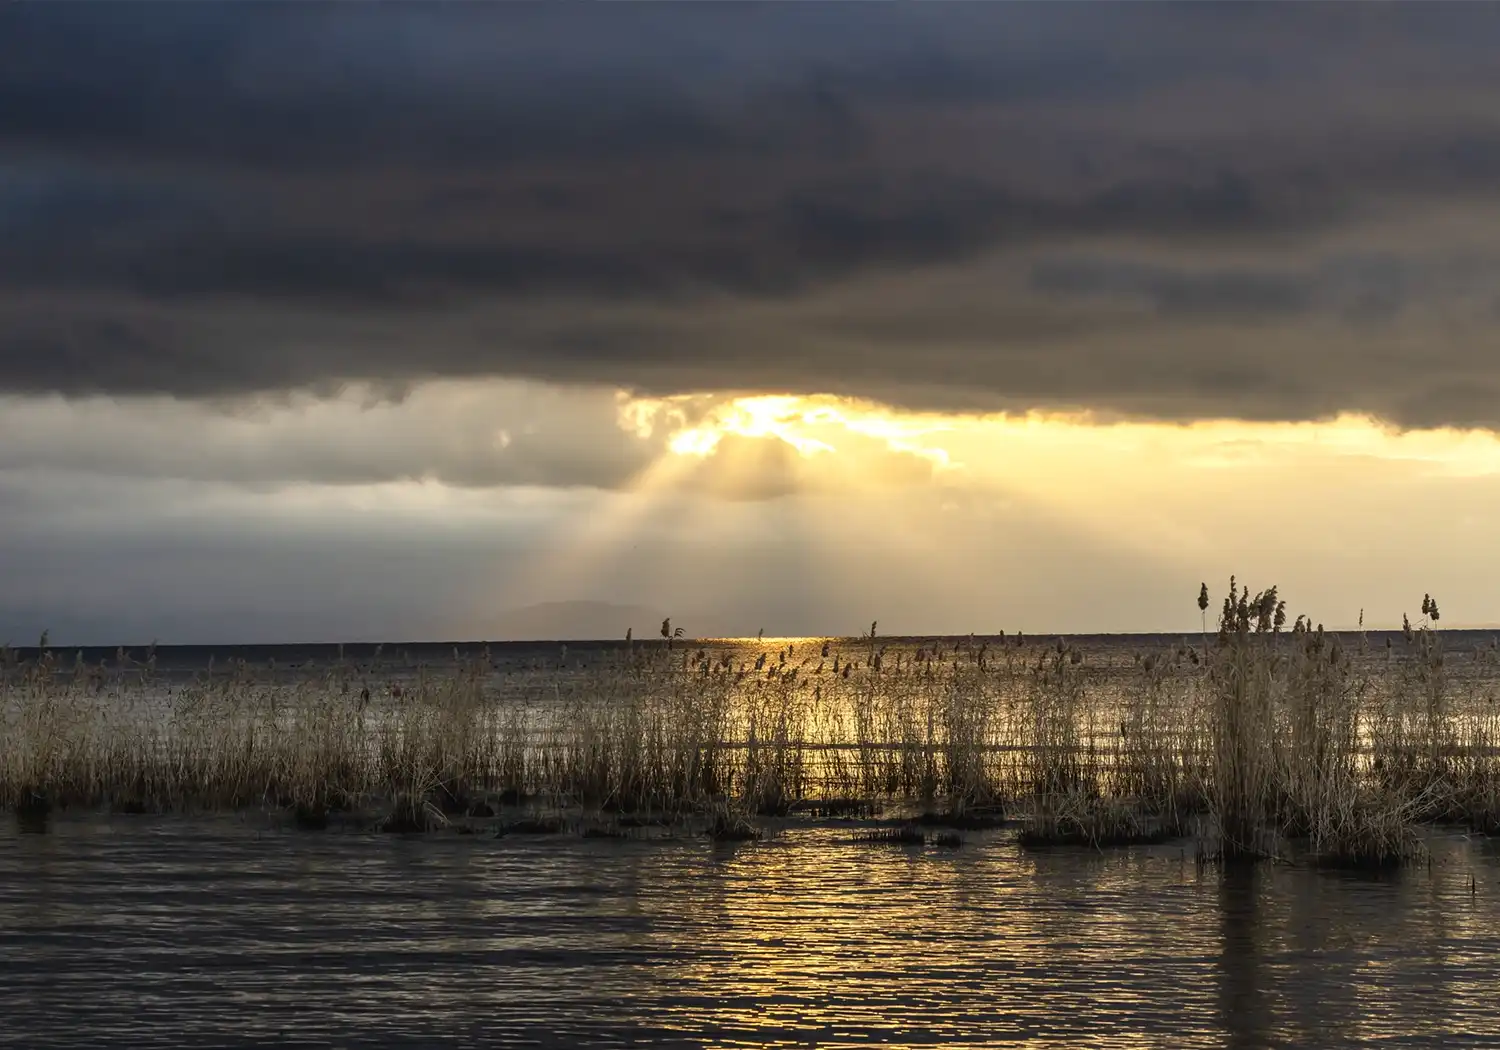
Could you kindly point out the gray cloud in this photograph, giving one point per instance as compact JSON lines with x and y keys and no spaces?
{"x":480,"y":436}
{"x":1001,"y":206}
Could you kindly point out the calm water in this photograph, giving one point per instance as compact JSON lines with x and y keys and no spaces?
{"x":158,"y":932}
{"x":176,"y":932}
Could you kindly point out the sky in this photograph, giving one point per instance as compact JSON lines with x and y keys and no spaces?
{"x":343,"y":322}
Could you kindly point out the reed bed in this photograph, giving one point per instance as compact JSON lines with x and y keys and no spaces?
{"x":1252,"y":736}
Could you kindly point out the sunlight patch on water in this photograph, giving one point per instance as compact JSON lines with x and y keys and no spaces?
{"x":175,"y":932}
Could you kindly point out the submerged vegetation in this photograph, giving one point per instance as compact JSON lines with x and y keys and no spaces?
{"x":1256,"y":737}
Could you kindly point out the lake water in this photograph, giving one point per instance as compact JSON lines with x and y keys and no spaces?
{"x":173,"y":931}
{"x":148,"y":931}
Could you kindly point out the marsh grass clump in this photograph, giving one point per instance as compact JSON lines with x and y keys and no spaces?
{"x":413,"y":815}
{"x":534,"y":826}
{"x":964,"y":820}
{"x":310,"y":818}
{"x":1477,"y":796}
{"x":1096,"y":823}
{"x":1370,"y":835}
{"x":453,"y":801}
{"x":903,"y":835}
{"x":596,"y":831}
{"x":947,"y":840}
{"x":838,"y":809}
{"x":31,"y":804}
{"x":33,"y":810}
{"x":727,"y":827}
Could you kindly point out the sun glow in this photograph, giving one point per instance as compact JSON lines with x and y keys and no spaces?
{"x":816,"y":425}
{"x":812,"y":425}
{"x":1133,"y":484}
{"x":751,"y":417}
{"x":827,"y":476}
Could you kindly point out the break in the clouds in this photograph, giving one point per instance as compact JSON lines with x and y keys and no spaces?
{"x":1162,"y":211}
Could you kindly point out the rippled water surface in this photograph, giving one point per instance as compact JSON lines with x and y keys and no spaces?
{"x":154,"y":931}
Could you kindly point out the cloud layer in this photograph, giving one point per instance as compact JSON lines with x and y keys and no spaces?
{"x":348,"y":320}
{"x":1172,"y":212}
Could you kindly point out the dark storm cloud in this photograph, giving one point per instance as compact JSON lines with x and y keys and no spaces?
{"x":1354,"y":286}
{"x":1176,"y":291}
{"x":223,"y":200}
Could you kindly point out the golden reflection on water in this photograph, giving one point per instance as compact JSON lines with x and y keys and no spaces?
{"x":816,"y":937}
{"x":157,"y":932}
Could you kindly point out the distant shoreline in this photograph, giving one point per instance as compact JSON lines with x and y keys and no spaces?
{"x":295,"y":652}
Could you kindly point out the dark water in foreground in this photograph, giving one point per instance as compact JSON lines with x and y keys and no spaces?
{"x":157,"y":932}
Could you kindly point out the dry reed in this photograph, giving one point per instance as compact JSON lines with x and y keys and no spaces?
{"x":1259,"y":734}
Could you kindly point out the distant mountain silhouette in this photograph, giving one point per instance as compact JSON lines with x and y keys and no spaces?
{"x":576,"y":621}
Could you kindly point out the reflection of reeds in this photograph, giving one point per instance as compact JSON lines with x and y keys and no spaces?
{"x":1257,"y":734}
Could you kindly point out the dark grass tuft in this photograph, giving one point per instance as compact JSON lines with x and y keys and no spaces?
{"x":411,"y":817}
{"x":733,"y":829}
{"x":648,"y":820}
{"x":968,"y":820}
{"x":604,"y":833}
{"x":905,"y":835}
{"x":772,"y":804}
{"x":402,"y":824}
{"x":1372,"y":841}
{"x":1102,"y":828}
{"x":839,"y":809}
{"x":1367,"y":861}
{"x":310,"y":816}
{"x":452,"y":804}
{"x":33,"y":809}
{"x":948,"y":839}
{"x":534,"y":826}
{"x":1482,"y":814}
{"x":1043,"y":836}
{"x":455,"y":802}
{"x":33,"y":804}
{"x":1214,"y":851}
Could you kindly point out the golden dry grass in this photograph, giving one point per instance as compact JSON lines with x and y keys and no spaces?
{"x":1257,"y":734}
